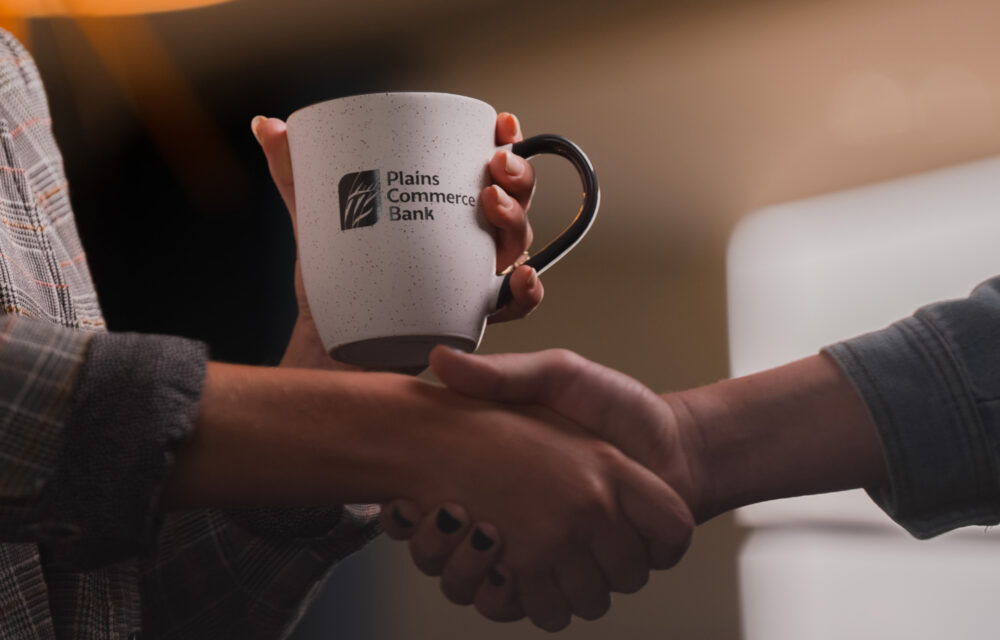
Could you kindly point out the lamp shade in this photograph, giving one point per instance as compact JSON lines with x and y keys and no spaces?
{"x":40,"y":8}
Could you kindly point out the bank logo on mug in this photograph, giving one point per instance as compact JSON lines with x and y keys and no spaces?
{"x":414,"y":210}
{"x":360,"y":199}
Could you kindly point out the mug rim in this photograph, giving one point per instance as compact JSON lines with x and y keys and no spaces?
{"x":439,"y":94}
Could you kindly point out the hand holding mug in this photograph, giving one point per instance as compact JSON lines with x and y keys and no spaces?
{"x":504,"y":203}
{"x":396,"y":253}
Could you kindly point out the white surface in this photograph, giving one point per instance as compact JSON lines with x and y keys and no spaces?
{"x":840,"y":584}
{"x":806,"y":274}
{"x":803,"y":275}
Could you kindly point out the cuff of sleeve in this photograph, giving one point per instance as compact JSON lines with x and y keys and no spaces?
{"x":936,"y":449}
{"x":135,"y":402}
{"x":286,"y":523}
{"x":338,"y":530}
{"x":356,"y":527}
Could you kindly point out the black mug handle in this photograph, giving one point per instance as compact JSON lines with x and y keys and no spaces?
{"x":542,"y":260}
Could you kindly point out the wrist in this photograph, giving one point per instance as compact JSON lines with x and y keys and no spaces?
{"x":439,"y":435}
{"x":794,"y":430}
{"x":294,"y":437}
{"x":689,"y":471}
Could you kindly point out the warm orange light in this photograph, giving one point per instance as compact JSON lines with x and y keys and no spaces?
{"x":39,"y":8}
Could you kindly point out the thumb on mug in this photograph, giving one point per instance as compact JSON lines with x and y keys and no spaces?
{"x":272,"y":135}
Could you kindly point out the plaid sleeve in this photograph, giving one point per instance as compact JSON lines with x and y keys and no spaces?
{"x":39,"y":367}
{"x":134,"y":404}
{"x":211,"y":579}
{"x":932,"y":385}
{"x":246,"y":573}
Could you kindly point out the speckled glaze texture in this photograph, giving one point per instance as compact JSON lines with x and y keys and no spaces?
{"x":430,"y":277}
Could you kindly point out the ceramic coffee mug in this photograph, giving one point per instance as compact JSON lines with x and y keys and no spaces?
{"x":396,"y":255}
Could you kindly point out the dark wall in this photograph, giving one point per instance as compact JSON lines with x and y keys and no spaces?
{"x":201,"y":248}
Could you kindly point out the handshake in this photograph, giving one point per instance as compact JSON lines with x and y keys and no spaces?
{"x":602,"y":490}
{"x":580,"y":486}
{"x":533,"y":484}
{"x":566,"y":480}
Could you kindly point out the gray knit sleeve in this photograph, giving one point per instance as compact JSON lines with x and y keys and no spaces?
{"x":134,"y":403}
{"x":932,"y":385}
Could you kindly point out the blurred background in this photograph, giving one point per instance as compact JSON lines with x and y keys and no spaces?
{"x":695,"y":114}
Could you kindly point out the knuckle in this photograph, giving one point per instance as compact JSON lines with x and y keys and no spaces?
{"x":552,"y":623}
{"x":610,"y":456}
{"x":594,"y":501}
{"x":527,"y":178}
{"x":459,"y":572}
{"x":632,"y":581}
{"x":562,"y":360}
{"x":521,"y":220}
{"x":595,"y":607}
{"x":666,"y":557}
{"x":610,"y":463}
{"x":428,"y":562}
{"x":496,"y":611}
{"x":524,"y":561}
{"x":685,"y":533}
{"x":421,"y":547}
{"x":457,"y":591}
{"x":428,"y":567}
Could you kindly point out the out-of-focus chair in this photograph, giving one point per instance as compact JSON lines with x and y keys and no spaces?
{"x":806,"y":274}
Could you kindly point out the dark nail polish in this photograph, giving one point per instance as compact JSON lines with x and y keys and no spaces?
{"x":495,"y":578}
{"x":447,"y":522}
{"x":481,"y":541}
{"x":398,"y":518}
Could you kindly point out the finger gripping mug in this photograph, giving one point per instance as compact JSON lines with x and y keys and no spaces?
{"x":396,"y":254}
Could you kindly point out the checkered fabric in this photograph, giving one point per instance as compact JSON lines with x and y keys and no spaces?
{"x":88,"y":419}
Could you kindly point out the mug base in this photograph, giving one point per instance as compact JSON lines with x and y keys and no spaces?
{"x":401,"y":354}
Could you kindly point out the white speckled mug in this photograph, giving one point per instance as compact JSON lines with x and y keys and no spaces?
{"x":396,"y":255}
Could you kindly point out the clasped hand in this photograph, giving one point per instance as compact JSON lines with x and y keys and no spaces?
{"x":599,"y":526}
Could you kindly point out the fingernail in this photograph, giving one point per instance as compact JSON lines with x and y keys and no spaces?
{"x":516,"y":124}
{"x":398,"y":518}
{"x":447,"y":522}
{"x":532,"y":279}
{"x":512,"y":164}
{"x":495,"y":578}
{"x":254,"y":125}
{"x":481,"y":541}
{"x":504,"y":201}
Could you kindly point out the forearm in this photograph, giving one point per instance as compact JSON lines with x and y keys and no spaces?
{"x":797,"y":429}
{"x":293,"y":437}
